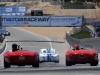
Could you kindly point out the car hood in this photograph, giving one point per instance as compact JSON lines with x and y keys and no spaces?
{"x":21,"y":53}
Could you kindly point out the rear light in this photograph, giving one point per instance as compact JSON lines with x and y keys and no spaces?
{"x":96,"y":55}
{"x":36,"y":55}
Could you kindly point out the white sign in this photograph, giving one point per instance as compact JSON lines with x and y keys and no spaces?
{"x":22,"y":9}
{"x":25,"y":20}
{"x":8,"y":9}
{"x":66,"y":20}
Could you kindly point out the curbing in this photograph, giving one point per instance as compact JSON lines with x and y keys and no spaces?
{"x":3,"y":47}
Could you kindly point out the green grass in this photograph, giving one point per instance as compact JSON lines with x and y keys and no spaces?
{"x":1,"y":5}
{"x":81,"y":35}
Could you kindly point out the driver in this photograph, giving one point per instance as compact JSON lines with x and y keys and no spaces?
{"x":15,"y":47}
{"x":76,"y":47}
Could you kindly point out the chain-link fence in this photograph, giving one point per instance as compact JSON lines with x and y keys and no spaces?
{"x":71,"y":6}
{"x":55,"y":2}
{"x":78,"y":6}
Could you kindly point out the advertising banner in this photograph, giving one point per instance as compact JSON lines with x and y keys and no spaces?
{"x":13,"y":10}
{"x":25,"y":21}
{"x":2,"y":29}
{"x":66,"y":21}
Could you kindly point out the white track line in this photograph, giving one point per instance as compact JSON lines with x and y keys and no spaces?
{"x":37,"y":35}
{"x":70,"y":30}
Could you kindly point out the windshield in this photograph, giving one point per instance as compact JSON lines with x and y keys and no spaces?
{"x":83,"y":46}
{"x":86,"y":47}
{"x":49,"y":51}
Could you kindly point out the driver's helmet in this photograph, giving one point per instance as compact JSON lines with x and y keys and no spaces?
{"x":77,"y":47}
{"x":14,"y":47}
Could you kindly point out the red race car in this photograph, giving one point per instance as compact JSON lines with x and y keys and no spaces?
{"x":20,"y":57}
{"x":81,"y":54}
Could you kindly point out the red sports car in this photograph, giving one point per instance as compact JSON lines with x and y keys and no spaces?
{"x":81,"y":54}
{"x":20,"y":57}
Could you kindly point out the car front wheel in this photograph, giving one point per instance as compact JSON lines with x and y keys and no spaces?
{"x":57,"y":61}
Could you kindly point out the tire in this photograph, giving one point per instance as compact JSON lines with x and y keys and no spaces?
{"x":94,"y":63}
{"x":57,"y":61}
{"x":6,"y":65}
{"x":40,"y":62}
{"x":9,"y":34}
{"x":36,"y":64}
{"x":73,"y":63}
{"x":68,"y":63}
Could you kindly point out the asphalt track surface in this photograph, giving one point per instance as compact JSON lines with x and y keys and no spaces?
{"x":34,"y":42}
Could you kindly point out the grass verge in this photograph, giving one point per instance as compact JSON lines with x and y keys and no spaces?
{"x":81,"y":34}
{"x":1,"y":5}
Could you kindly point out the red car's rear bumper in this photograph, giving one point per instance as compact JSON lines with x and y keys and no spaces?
{"x":27,"y":60}
{"x":78,"y":59}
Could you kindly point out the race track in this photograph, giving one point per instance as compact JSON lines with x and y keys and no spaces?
{"x":35,"y":42}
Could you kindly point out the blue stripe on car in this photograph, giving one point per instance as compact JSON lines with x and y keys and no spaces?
{"x":48,"y":55}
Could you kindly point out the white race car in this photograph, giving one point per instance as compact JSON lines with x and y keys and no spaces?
{"x":6,"y":33}
{"x":48,"y":55}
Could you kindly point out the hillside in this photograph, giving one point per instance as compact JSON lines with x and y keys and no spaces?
{"x":55,"y":9}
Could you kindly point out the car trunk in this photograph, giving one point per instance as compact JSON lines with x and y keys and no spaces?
{"x":83,"y":56}
{"x":19,"y":57}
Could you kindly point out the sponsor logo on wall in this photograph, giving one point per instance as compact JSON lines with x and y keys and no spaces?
{"x":42,"y":21}
{"x":23,"y":20}
{"x":66,"y":21}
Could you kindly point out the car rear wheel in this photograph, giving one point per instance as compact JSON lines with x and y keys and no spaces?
{"x":9,"y":34}
{"x":57,"y":61}
{"x":68,"y":63}
{"x":36,"y":64}
{"x":40,"y":61}
{"x":94,"y":63}
{"x":6,"y":64}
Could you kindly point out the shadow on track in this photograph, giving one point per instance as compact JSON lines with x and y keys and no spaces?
{"x":34,"y":41}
